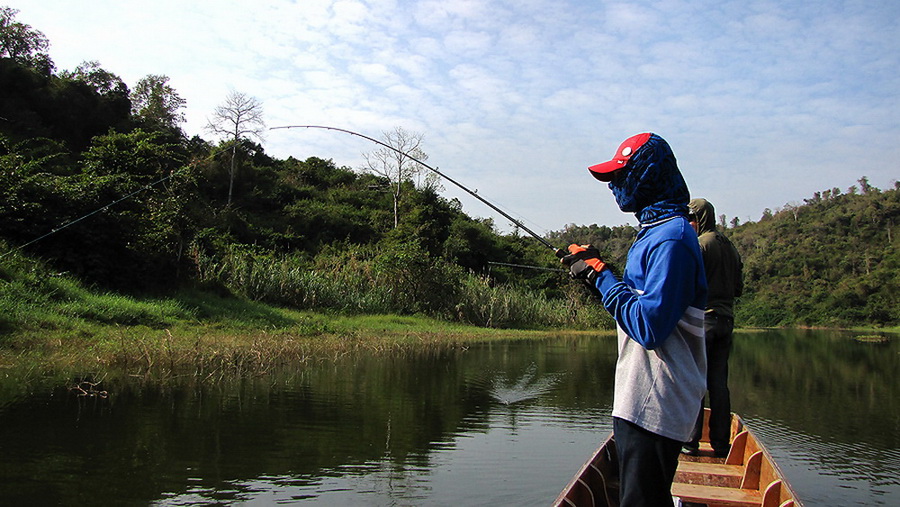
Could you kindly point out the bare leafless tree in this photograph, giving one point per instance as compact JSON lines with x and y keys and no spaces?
{"x":239,"y":117}
{"x":398,"y":165}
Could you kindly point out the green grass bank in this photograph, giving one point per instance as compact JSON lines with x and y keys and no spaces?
{"x":255,"y":314}
{"x":52,"y":326}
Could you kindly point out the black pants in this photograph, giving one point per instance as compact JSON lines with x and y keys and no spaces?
{"x":647,"y":464}
{"x":719,"y":335}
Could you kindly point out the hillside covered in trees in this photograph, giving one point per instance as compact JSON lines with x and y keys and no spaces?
{"x":100,"y":185}
{"x":830,"y":261}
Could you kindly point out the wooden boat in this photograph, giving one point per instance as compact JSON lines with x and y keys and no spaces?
{"x":748,"y":476}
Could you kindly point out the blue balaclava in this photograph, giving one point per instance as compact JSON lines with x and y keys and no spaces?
{"x":650,"y":185}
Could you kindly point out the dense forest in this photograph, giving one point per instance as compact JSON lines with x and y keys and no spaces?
{"x":101,"y":186}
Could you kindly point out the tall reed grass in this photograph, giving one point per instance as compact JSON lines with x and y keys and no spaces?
{"x":399,"y":280}
{"x":50,"y":323}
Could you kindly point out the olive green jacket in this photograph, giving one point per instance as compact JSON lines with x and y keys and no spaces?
{"x":721,"y":260}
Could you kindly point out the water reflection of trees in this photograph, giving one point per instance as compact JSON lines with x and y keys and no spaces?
{"x":388,"y":415}
{"x":357,"y":414}
{"x":822,"y":381}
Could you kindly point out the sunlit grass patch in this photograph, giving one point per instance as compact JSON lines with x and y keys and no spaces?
{"x":119,"y":309}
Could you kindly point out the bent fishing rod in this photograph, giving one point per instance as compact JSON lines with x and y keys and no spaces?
{"x":558,"y":252}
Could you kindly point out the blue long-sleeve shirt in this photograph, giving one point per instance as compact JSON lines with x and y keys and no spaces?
{"x":658,"y":307}
{"x":663,"y":277}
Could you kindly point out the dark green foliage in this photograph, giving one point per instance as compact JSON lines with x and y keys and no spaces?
{"x":832,"y":261}
{"x":33,"y":104}
{"x":138,"y":153}
{"x":133,"y":244}
{"x":156,"y":106}
{"x":472,"y":244}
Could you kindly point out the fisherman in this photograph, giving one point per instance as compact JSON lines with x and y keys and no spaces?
{"x":658,"y":307}
{"x":724,"y":275}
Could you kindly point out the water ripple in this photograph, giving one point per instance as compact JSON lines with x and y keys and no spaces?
{"x":854,"y":466}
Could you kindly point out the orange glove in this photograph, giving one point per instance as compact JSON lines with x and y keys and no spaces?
{"x":584,"y":262}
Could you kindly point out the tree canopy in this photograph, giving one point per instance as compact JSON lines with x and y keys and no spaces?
{"x":156,"y":105}
{"x":22,"y":43}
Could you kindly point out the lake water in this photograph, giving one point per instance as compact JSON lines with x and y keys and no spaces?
{"x":501,"y":424}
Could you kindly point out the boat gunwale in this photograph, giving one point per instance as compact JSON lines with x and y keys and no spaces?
{"x":607,"y":448}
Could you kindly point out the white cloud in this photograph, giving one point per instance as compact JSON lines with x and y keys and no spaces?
{"x":375,"y":74}
{"x":467,"y":43}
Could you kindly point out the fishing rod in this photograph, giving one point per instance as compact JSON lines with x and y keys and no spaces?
{"x":557,"y":251}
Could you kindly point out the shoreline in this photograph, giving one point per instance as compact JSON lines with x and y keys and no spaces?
{"x":215,"y":350}
{"x":219,"y":349}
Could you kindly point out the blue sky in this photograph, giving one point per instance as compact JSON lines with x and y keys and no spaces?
{"x":763,"y":102}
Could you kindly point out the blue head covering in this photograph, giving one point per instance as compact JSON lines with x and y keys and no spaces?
{"x":650,"y":185}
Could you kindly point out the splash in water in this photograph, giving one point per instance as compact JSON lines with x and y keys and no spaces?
{"x":530,"y":385}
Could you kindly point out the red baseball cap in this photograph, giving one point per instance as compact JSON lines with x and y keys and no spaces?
{"x":604,"y":171}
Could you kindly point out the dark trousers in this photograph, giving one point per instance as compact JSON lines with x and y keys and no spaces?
{"x":647,"y":464}
{"x":719,"y":335}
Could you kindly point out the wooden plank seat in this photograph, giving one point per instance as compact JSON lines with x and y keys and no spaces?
{"x":717,"y":495}
{"x":744,"y":479}
{"x":711,"y":474}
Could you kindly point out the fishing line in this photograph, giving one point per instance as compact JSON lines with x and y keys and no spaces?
{"x":525,"y":266}
{"x":79,"y":219}
{"x":104,"y":208}
{"x":557,"y":251}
